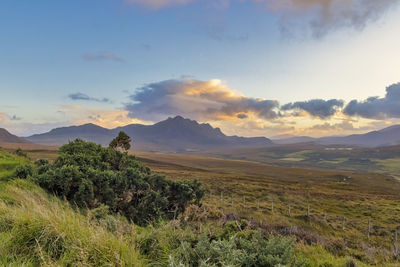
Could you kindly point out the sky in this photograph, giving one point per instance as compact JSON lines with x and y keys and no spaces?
{"x":250,"y":67}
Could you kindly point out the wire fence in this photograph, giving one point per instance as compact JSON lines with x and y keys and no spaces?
{"x":269,"y":207}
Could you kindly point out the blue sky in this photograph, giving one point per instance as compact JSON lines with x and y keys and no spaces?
{"x":264,"y":50}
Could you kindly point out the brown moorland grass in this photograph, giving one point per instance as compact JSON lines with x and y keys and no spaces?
{"x":356,"y":196}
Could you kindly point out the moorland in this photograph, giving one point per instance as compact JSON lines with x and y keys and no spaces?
{"x":334,"y":217}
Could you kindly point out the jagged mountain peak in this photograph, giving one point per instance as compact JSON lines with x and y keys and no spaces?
{"x":173,"y":134}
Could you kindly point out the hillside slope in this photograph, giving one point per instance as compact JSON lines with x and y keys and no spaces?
{"x":6,"y":137}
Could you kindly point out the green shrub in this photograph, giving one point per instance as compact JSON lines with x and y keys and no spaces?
{"x":24,"y":171}
{"x":20,"y":153}
{"x":238,"y":250}
{"x":89,"y":175}
{"x":233,"y":227}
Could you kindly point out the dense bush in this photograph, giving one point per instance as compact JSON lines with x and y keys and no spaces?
{"x":90,"y":175}
{"x":20,"y":153}
{"x":24,"y":171}
{"x":238,"y":250}
{"x":236,"y":243}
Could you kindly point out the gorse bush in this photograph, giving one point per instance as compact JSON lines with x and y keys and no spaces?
{"x":89,"y":175}
{"x":20,"y":153}
{"x":237,"y":250}
{"x":24,"y":171}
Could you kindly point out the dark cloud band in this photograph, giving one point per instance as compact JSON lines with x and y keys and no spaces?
{"x":375,"y":107}
{"x":316,"y":107}
{"x":85,"y":97}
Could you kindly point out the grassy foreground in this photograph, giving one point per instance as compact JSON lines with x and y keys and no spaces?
{"x":37,"y":229}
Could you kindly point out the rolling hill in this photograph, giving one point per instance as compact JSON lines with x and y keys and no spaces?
{"x":173,"y":135}
{"x":6,"y":137}
{"x":386,"y":137}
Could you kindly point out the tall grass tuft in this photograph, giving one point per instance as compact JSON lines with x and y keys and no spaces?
{"x":39,"y":230}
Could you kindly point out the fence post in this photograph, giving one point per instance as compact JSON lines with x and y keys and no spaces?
{"x":272,"y":205}
{"x":258,"y":204}
{"x":244,"y":201}
{"x":369,"y":228}
{"x":289,"y":210}
{"x":343,"y":222}
{"x":396,"y":249}
{"x":325,"y":219}
{"x":232,"y":201}
{"x":222,"y":196}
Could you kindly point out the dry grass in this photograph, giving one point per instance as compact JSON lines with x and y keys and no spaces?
{"x":359,"y":197}
{"x":39,"y":230}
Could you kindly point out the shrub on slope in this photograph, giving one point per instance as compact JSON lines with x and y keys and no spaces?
{"x":89,"y":175}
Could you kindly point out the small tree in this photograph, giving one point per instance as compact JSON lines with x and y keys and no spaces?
{"x":122,"y":141}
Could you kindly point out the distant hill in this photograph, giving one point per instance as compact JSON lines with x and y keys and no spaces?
{"x":63,"y":135}
{"x":293,"y":140}
{"x":6,"y":137}
{"x":386,"y":137}
{"x":174,"y":135}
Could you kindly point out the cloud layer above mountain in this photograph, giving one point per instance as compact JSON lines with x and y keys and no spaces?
{"x":214,"y":100}
{"x":375,"y":107}
{"x":201,"y":100}
{"x":316,"y":107}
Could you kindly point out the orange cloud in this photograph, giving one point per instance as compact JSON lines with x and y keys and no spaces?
{"x":3,"y":118}
{"x":200,"y":100}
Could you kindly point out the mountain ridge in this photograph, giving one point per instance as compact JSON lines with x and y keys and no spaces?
{"x":388,"y":136}
{"x":172,"y":135}
{"x":7,"y":137}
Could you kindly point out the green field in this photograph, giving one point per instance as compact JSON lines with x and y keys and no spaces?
{"x":383,"y":160}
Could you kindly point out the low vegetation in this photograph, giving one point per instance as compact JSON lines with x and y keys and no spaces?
{"x":356,"y":159}
{"x":9,"y":162}
{"x":91,"y":176}
{"x":45,"y":222}
{"x":68,"y":212}
{"x":40,"y":230}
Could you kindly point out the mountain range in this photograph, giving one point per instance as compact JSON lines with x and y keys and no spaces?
{"x":184,"y":135}
{"x":172,"y":135}
{"x":386,"y":137}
